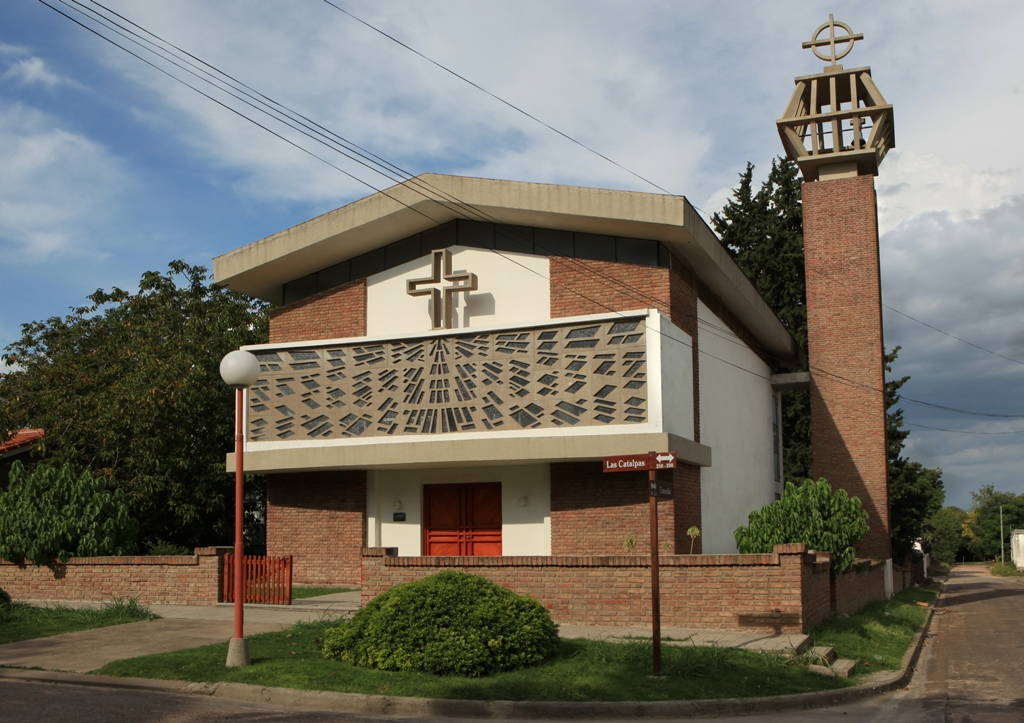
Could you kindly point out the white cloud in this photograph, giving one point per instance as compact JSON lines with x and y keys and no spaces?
{"x":911,"y":184}
{"x":8,"y":49}
{"x":575,"y":69}
{"x":32,"y":71}
{"x":57,"y":187}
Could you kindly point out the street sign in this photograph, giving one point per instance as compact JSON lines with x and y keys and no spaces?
{"x":637,"y":462}
{"x":660,"y":489}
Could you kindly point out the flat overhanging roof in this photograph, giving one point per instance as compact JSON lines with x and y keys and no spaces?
{"x":261,"y":269}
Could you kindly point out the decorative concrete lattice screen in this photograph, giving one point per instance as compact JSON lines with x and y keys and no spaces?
{"x":557,"y":376}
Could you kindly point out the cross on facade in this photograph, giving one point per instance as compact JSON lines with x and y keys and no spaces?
{"x":442,"y":297}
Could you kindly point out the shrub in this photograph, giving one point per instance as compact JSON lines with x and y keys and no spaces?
{"x":5,"y":599}
{"x":56,"y":514}
{"x":809,"y":513}
{"x":450,"y":623}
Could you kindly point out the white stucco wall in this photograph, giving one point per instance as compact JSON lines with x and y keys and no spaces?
{"x":525,"y":529}
{"x":736,"y":422}
{"x":512,"y":288}
{"x":670,"y":351}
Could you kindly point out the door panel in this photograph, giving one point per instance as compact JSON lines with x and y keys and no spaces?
{"x":462,"y":519}
{"x":442,"y":520}
{"x":484,"y":507}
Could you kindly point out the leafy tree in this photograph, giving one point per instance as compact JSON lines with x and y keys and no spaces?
{"x":916,"y":492}
{"x":128,"y":388}
{"x":763,"y":232}
{"x":981,"y":527}
{"x":53,"y":514}
{"x":808,"y":513}
{"x":944,"y":534}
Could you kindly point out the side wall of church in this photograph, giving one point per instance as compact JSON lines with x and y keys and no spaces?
{"x":320,"y":519}
{"x":738,"y":407}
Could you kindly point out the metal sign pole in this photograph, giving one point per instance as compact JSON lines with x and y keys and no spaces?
{"x":651,"y":462}
{"x":655,"y":588}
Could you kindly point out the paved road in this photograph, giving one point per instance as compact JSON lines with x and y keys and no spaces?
{"x":971,"y":670}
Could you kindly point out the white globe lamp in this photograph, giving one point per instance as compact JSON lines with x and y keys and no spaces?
{"x":239,"y":369}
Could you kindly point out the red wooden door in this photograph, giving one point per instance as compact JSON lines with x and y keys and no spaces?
{"x":462,"y":519}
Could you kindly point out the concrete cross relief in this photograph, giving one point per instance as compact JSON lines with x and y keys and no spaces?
{"x":442,"y":298}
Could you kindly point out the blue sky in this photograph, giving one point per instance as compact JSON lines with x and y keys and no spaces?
{"x":109,"y":169}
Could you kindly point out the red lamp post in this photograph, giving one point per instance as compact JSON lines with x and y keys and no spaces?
{"x":239,"y":369}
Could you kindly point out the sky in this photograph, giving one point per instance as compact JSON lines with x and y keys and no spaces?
{"x":108,"y":168}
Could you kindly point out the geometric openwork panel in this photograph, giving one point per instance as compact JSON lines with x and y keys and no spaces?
{"x":576,"y":375}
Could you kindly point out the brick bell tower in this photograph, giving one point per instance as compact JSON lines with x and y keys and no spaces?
{"x":838,"y":128}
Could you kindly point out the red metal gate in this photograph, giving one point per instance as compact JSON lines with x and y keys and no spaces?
{"x":268,"y":580}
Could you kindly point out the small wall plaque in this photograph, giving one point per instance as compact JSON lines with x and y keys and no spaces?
{"x":398,"y":516}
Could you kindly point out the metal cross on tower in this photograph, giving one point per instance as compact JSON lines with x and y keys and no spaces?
{"x":816,"y":42}
{"x":442,"y":298}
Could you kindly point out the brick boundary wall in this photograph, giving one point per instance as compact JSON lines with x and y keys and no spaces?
{"x":856,"y":587}
{"x":176,"y":580}
{"x":783,"y":592}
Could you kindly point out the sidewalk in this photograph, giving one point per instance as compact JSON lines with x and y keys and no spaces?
{"x":191,"y":626}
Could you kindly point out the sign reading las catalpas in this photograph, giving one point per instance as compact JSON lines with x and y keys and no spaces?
{"x":635,"y":462}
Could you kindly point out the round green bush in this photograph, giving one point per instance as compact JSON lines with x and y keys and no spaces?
{"x":450,"y":623}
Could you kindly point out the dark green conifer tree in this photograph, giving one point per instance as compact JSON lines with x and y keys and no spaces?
{"x":764,"y":233}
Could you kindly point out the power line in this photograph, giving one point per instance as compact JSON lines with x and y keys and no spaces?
{"x":498,"y":98}
{"x":923,"y":323}
{"x":353,"y":151}
{"x":610,"y":160}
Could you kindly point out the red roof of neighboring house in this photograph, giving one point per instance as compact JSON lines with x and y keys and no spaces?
{"x":21,"y":438}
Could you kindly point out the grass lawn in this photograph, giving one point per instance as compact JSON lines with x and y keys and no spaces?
{"x":20,"y":621}
{"x":1006,"y":570}
{"x":582,"y":670}
{"x":317,"y":590}
{"x":879,"y":635}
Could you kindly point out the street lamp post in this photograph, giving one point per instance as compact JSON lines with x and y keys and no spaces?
{"x":239,"y":370}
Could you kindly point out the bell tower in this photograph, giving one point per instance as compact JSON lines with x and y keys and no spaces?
{"x":837,"y":127}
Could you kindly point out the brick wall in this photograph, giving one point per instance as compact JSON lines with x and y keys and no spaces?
{"x":176,"y":580}
{"x":767,"y":593}
{"x":844,"y":329}
{"x":320,"y":519}
{"x":333,"y":314}
{"x":592,"y":512}
{"x":583,"y":286}
{"x":856,"y":587}
{"x":686,"y":500}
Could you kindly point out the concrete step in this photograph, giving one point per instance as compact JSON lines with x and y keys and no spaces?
{"x":825,"y":652}
{"x":841,"y":668}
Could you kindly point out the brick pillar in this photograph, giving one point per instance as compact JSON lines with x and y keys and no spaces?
{"x":844,"y":335}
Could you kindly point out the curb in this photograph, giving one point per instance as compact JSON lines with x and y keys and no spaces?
{"x":359,"y":704}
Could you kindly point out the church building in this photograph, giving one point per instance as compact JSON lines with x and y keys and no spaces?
{"x":452,"y":358}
